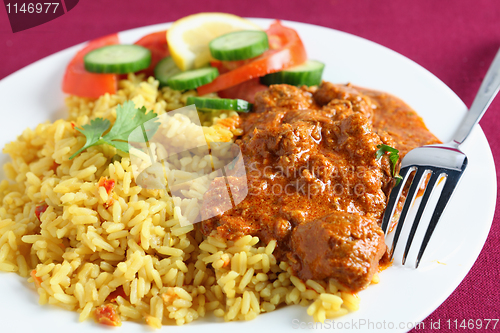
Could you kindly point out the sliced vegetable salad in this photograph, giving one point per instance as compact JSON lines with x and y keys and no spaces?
{"x":244,"y":60}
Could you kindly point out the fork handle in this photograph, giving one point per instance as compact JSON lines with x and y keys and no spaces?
{"x":487,"y":92}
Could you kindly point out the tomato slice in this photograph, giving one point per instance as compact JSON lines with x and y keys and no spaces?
{"x":245,"y":90}
{"x":157,"y":44}
{"x":77,"y":81}
{"x":226,"y":66}
{"x":286,"y":50}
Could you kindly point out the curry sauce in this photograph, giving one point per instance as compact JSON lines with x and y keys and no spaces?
{"x":314,"y":183}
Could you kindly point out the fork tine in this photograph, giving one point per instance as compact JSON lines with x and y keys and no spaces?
{"x":449,"y":186}
{"x":393,"y":199}
{"x":415,"y":185}
{"x":427,"y":193}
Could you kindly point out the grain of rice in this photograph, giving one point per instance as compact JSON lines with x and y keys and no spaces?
{"x":309,"y":294}
{"x":117,"y":234}
{"x":338,"y":313}
{"x":262,"y":277}
{"x":350,"y":301}
{"x":266,"y":292}
{"x":154,"y":322}
{"x":219,"y":313}
{"x":216,"y":242}
{"x":234,"y":309}
{"x":245,"y":280}
{"x":330,"y":298}
{"x":205,"y":246}
{"x":320,"y":315}
{"x":6,"y":267}
{"x":170,"y":251}
{"x":63,"y":298}
{"x":22,"y":266}
{"x":252,"y":260}
{"x":230,"y":276}
{"x":84,"y":219}
{"x":267,"y":307}
{"x":85,"y":312}
{"x":129,"y":311}
{"x":316,"y":286}
{"x":266,"y":266}
{"x":270,"y":247}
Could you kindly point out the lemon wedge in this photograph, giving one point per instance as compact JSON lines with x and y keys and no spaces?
{"x":188,"y":37}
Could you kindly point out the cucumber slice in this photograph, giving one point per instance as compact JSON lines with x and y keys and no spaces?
{"x":208,"y":104}
{"x":117,"y":59}
{"x":239,"y":45}
{"x":308,"y":73}
{"x":192,"y":79}
{"x":165,"y":69}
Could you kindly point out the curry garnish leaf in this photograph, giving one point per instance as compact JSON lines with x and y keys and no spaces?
{"x":398,"y":179}
{"x":93,"y":132}
{"x":128,"y":118}
{"x":393,"y":157}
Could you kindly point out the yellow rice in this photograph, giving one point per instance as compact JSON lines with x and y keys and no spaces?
{"x":88,"y":243}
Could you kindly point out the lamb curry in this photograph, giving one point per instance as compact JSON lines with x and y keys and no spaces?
{"x":314,"y":183}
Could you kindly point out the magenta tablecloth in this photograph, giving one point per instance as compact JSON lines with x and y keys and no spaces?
{"x":454,"y":39}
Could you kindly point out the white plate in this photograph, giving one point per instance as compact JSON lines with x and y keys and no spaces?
{"x":403,"y":297}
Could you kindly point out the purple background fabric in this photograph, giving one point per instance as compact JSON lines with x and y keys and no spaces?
{"x":456,"y":40}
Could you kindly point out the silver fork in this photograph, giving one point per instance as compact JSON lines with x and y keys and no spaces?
{"x":439,"y":161}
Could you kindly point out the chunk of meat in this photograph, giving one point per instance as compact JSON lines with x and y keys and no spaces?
{"x":283,"y":96}
{"x":340,"y":245}
{"x":341,"y":96}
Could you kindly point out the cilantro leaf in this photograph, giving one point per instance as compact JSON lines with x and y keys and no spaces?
{"x":393,"y":157}
{"x":120,"y":145}
{"x":93,"y":132}
{"x":380,"y":152}
{"x":145,"y":132}
{"x":398,"y":179}
{"x":128,"y":118}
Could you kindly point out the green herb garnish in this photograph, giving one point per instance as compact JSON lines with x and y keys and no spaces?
{"x":393,"y":157}
{"x":128,"y":118}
